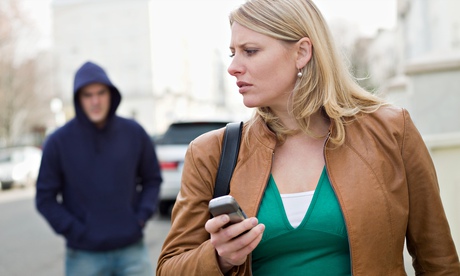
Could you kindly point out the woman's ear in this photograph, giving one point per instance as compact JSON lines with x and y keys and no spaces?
{"x":304,"y":52}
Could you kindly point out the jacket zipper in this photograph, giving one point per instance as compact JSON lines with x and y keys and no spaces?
{"x":333,"y":188}
{"x":250,"y":255}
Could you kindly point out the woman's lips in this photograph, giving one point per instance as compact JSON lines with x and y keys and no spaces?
{"x":244,"y":86}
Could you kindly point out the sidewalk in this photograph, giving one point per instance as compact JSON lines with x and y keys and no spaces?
{"x":16,"y":193}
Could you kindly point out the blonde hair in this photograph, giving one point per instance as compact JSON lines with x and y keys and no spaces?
{"x":326,"y":84}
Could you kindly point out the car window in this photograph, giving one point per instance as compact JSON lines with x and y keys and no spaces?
{"x":184,"y":133}
{"x":5,"y":156}
{"x":12,"y":155}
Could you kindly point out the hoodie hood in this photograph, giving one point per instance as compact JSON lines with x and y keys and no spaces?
{"x":90,"y":73}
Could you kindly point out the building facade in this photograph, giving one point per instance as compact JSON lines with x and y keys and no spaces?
{"x":428,"y":85}
{"x":164,"y":57}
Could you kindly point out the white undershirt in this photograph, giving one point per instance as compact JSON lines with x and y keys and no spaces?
{"x":296,"y":206}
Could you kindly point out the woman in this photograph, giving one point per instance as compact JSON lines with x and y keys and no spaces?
{"x":332,"y":178}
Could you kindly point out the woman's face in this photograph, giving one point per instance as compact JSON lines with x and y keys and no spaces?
{"x":264,"y":67}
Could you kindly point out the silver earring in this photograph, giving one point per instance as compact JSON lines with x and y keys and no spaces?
{"x":299,"y":75}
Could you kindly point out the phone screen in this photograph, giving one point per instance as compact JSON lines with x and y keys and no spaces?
{"x":226,"y":205}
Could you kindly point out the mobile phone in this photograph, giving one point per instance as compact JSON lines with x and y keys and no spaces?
{"x":226,"y":205}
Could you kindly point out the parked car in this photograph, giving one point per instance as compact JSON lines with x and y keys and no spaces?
{"x":171,"y":148}
{"x":19,"y":166}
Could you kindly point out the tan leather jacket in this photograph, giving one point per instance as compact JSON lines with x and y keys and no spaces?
{"x":382,"y":175}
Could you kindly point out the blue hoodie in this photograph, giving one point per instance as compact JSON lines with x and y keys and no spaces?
{"x":97,"y":187}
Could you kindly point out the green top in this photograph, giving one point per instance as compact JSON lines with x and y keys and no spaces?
{"x":318,"y":246}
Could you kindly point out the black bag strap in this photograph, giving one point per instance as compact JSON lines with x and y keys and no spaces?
{"x":228,"y":157}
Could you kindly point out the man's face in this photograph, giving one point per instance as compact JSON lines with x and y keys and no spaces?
{"x":95,"y":102}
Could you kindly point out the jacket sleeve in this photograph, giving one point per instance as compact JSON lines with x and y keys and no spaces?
{"x":48,"y":188}
{"x":429,"y":239}
{"x":187,"y":249}
{"x":150,"y":176}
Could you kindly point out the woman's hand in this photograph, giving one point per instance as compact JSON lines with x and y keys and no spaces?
{"x":232,"y":244}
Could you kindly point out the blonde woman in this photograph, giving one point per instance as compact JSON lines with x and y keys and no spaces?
{"x":333,"y":179}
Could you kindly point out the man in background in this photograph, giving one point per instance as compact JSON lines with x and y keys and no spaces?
{"x":99,"y":182}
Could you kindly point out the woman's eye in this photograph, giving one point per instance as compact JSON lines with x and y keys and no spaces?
{"x":250,"y":52}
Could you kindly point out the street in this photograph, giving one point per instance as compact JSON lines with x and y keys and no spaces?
{"x":28,"y":246}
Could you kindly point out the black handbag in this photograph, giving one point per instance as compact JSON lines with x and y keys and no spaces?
{"x":228,"y":158}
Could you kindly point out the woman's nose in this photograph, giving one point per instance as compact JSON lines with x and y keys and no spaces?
{"x":235,"y":68}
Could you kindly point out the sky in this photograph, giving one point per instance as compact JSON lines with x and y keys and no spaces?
{"x":367,"y":15}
